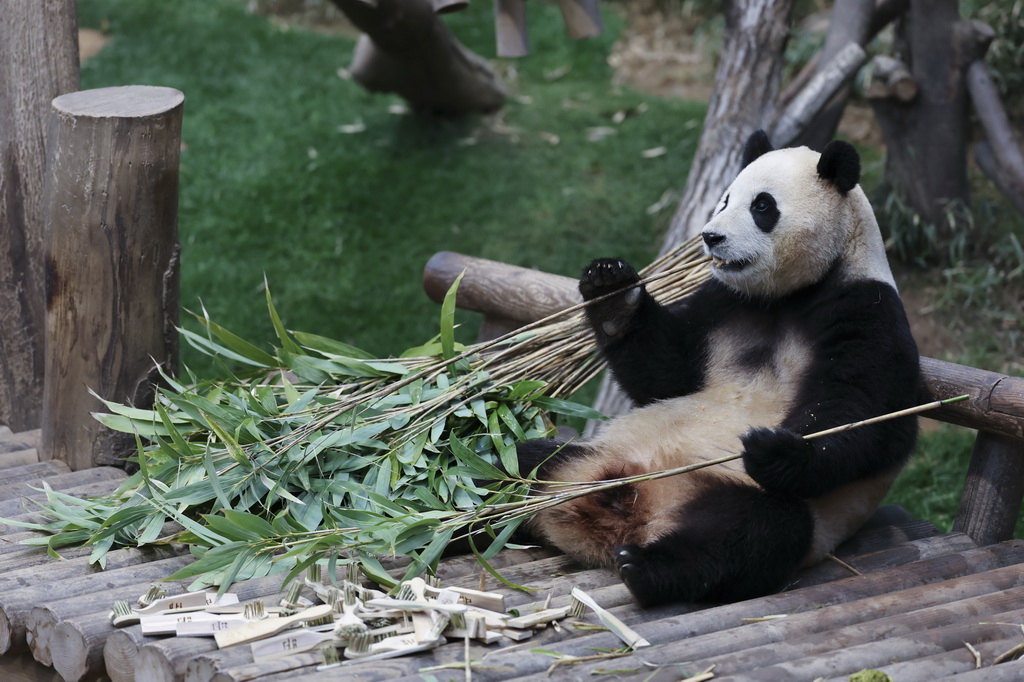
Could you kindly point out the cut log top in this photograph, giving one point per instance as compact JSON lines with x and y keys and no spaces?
{"x":128,"y":101}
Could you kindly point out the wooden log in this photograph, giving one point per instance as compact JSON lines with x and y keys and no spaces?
{"x":525,"y":295}
{"x":986,"y":160}
{"x":889,"y":77}
{"x":996,"y":404}
{"x":112,"y":263}
{"x":885,"y":12}
{"x":850,"y":23}
{"x":168,"y":659}
{"x":34,"y":471}
{"x":1003,"y":142}
{"x":286,"y":667}
{"x":121,"y":652}
{"x":836,"y":639}
{"x":13,"y":578}
{"x":165,"y":660}
{"x":22,"y":440}
{"x":1011,"y":671}
{"x":38,"y":61}
{"x":406,"y":49}
{"x":991,"y":499}
{"x":947,"y":663}
{"x":510,"y":29}
{"x":18,"y":458}
{"x":16,"y":605}
{"x":13,"y":527}
{"x":22,"y":503}
{"x":43,"y":619}
{"x":13,"y":491}
{"x":822,"y":659}
{"x":829,"y":80}
{"x":932,"y":177}
{"x":746,"y":84}
{"x":582,"y":18}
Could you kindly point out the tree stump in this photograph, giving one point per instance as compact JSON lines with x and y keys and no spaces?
{"x":38,"y":61}
{"x":111,"y":263}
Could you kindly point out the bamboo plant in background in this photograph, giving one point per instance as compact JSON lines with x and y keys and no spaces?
{"x":319,"y":451}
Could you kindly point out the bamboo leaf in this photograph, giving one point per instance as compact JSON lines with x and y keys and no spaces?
{"x":481,"y":467}
{"x":567,"y":408}
{"x":287,"y":343}
{"x":448,"y":320}
{"x":323,"y":344}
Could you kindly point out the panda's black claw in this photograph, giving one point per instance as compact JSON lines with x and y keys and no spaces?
{"x":636,"y":574}
{"x":612,"y":318}
{"x":605,"y":276}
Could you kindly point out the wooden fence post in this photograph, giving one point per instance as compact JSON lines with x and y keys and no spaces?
{"x":111,"y":262}
{"x":38,"y":61}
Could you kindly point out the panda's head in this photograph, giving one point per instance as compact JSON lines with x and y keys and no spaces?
{"x":789,"y":217}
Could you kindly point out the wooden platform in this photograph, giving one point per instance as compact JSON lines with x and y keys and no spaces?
{"x":922,"y":598}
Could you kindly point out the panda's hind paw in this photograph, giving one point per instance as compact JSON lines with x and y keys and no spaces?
{"x":608,"y":275}
{"x":636,"y":573}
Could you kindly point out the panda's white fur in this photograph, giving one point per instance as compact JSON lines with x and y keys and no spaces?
{"x":804,"y":251}
{"x":799,"y":330}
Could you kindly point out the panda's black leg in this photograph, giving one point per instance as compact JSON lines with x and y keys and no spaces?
{"x":611,"y":319}
{"x":732,"y":543}
{"x":542,"y":454}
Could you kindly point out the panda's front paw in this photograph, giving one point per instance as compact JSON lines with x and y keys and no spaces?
{"x":611,"y":318}
{"x":606,"y":276}
{"x":778,"y":460}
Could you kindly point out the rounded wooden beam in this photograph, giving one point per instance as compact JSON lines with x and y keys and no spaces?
{"x":510,"y":28}
{"x":996,"y":403}
{"x":43,"y":619}
{"x":992,"y":495}
{"x":121,"y":652}
{"x":497,"y":289}
{"x":38,"y":61}
{"x":582,"y":18}
{"x":111,"y":262}
{"x":16,"y":605}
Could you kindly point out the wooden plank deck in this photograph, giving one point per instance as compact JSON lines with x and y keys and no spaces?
{"x":922,"y":595}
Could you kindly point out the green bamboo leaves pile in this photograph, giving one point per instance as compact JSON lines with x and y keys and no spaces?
{"x":323,"y":451}
{"x":319,"y":452}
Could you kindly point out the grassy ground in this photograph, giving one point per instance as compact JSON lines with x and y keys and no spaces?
{"x":293,"y":173}
{"x":341,"y":223}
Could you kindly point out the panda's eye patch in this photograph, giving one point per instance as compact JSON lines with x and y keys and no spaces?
{"x":764,"y":211}
{"x":763,"y":203}
{"x":725,"y":203}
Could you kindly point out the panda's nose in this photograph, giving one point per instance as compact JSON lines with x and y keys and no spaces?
{"x":712,"y":238}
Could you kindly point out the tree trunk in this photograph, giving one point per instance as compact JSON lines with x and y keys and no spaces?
{"x":38,"y":61}
{"x":746,"y":84}
{"x":406,"y":49}
{"x":850,"y":23}
{"x":931,"y":175}
{"x":111,"y":263}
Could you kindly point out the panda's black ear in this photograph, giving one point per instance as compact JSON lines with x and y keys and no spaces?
{"x":757,"y":145}
{"x":840,"y":165}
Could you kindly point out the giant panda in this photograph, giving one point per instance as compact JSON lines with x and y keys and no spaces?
{"x":799,"y":329}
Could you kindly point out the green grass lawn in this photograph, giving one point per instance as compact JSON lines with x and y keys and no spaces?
{"x":275,"y":184}
{"x":341,"y":223}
